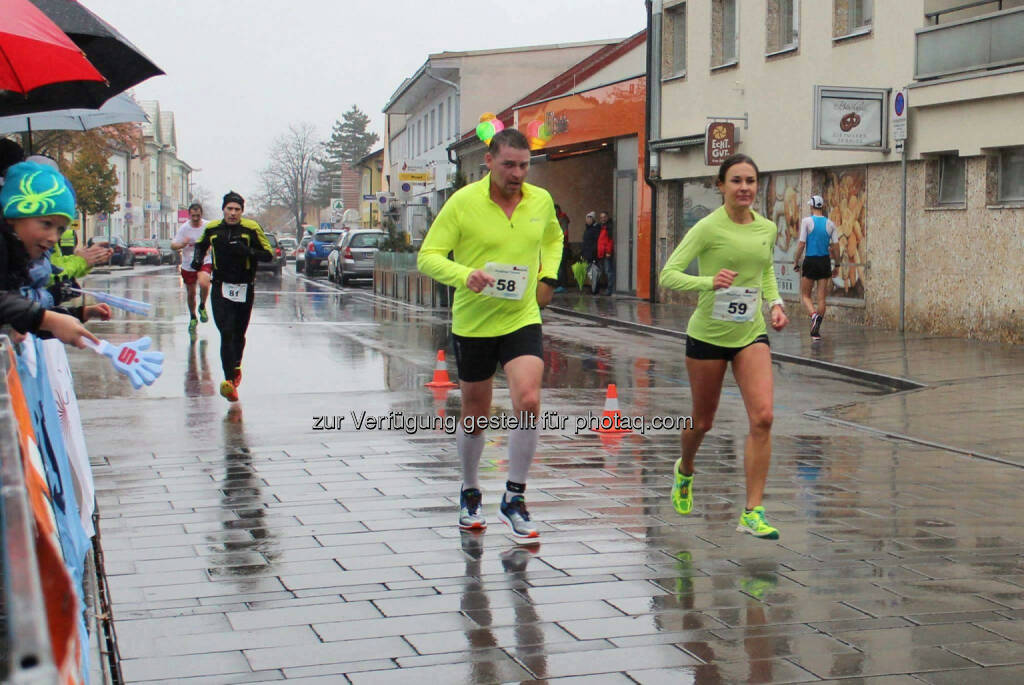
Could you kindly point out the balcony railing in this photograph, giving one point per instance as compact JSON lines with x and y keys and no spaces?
{"x":987,"y":42}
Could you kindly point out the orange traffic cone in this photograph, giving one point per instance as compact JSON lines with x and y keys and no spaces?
{"x":441,"y":379}
{"x":611,"y":418}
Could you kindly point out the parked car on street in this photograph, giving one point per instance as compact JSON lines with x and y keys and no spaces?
{"x":318,"y":249}
{"x":288,"y":246}
{"x":121,"y":256}
{"x":168,"y":255}
{"x":300,"y":253}
{"x":145,"y":251}
{"x":355,"y":254}
{"x":277,"y":263}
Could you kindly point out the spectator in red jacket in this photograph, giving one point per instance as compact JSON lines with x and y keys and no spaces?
{"x":606,"y":251}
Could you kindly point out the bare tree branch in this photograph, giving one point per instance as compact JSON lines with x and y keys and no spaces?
{"x":291,"y":175}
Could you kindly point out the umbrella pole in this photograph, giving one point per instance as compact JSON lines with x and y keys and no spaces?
{"x":29,"y":150}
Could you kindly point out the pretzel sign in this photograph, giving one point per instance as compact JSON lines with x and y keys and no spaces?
{"x":132,"y":359}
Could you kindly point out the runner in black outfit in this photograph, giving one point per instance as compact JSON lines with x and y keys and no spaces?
{"x":236,"y":244}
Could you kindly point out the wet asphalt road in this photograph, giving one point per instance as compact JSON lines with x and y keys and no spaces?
{"x":243,"y":545}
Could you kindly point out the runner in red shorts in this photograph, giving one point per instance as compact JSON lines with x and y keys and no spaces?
{"x":185,"y":239}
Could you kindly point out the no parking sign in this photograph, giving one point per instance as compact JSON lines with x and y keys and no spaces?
{"x":899,"y":115}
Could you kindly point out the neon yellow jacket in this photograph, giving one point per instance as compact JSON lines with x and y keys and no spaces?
{"x":473,"y":227}
{"x":73,"y":265}
{"x":717,"y":243}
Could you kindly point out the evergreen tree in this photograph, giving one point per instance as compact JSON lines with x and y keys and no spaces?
{"x":350,"y":142}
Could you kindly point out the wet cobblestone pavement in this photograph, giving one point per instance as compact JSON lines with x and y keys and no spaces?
{"x":244,"y":546}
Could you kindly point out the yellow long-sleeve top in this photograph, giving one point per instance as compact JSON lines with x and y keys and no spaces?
{"x":718,"y":243}
{"x":477,"y":231}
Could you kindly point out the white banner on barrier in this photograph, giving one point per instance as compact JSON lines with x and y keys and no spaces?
{"x":62,"y":385}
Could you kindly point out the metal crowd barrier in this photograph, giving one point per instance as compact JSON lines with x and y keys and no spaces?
{"x":27,"y":643}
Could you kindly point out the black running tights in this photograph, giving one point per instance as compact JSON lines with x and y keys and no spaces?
{"x":232,"y":319}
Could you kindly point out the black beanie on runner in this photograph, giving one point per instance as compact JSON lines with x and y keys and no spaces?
{"x":232,"y":196}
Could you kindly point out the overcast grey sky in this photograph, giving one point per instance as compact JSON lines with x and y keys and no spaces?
{"x":239,"y":71}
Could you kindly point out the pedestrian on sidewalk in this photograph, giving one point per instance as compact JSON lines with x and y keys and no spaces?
{"x":820,"y":238}
{"x":733,"y":246}
{"x":565,"y":267}
{"x":236,"y":245}
{"x":591,"y":232}
{"x":506,"y":245}
{"x":606,"y":252}
{"x":185,"y":240}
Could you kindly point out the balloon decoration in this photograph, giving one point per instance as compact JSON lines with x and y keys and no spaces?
{"x":538,"y":132}
{"x":488,"y":126}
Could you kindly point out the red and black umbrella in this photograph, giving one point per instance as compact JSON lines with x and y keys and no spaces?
{"x":35,"y":53}
{"x":122,"y":64}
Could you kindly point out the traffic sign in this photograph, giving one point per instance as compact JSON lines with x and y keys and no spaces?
{"x":326,"y":225}
{"x":899,"y":115}
{"x":337,"y":204}
{"x":369,"y":197}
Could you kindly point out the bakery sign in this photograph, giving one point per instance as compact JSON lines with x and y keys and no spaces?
{"x":719,"y":142}
{"x":850,"y":118}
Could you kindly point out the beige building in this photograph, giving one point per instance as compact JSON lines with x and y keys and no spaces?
{"x":446,"y":96}
{"x":165,"y":177}
{"x":812,"y":88}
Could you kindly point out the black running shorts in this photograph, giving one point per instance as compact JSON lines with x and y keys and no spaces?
{"x":477,"y":358}
{"x":817,"y":268}
{"x":698,"y":349}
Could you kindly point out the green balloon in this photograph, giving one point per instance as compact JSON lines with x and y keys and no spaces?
{"x":544,"y":132}
{"x":485,"y":131}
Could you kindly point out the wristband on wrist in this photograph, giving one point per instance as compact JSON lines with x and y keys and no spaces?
{"x":777,"y":301}
{"x":553,"y":282}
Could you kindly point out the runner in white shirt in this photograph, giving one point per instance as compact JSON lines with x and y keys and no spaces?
{"x":185,"y":239}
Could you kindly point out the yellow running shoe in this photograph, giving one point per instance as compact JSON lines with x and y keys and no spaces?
{"x":682,"y":490}
{"x":753,"y":522}
{"x":228,"y":391}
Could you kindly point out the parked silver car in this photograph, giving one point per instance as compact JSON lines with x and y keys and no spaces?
{"x":353,"y":255}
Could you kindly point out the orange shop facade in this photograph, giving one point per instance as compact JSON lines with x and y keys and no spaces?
{"x":594,"y":161}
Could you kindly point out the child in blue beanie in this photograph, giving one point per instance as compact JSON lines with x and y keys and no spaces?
{"x":37,"y":203}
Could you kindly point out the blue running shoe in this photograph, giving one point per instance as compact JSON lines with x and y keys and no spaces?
{"x":514,"y":515}
{"x":470,"y":516}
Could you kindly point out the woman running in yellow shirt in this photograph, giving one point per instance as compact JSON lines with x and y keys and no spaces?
{"x":733,"y":246}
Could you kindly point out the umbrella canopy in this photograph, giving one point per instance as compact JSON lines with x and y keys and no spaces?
{"x":120,"y":62}
{"x":34,"y":52}
{"x":116,"y":59}
{"x":119,"y":109}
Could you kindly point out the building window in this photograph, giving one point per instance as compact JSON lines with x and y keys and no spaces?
{"x":673,"y":41}
{"x":952,"y":180}
{"x":440,"y":123}
{"x":1011,"y":175}
{"x":724,"y":30}
{"x":433,"y":128}
{"x":451,"y":117}
{"x":782,"y":25}
{"x":851,"y":17}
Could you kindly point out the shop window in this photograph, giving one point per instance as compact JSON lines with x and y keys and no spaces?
{"x":851,"y":17}
{"x":724,"y":33}
{"x":952,"y":180}
{"x":673,"y":41}
{"x":1011,"y":175}
{"x":781,"y":26}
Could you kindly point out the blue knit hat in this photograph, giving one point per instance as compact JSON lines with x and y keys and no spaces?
{"x":32,"y":189}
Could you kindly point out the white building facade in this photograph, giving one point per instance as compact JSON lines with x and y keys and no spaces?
{"x":444,"y":97}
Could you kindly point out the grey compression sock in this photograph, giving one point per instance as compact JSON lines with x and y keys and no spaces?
{"x":522,"y":444}
{"x":470,"y":447}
